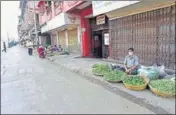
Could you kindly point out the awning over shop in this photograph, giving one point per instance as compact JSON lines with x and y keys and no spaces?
{"x":139,"y":7}
{"x":60,"y":21}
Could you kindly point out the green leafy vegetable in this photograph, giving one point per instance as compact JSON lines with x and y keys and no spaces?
{"x":114,"y":75}
{"x":95,"y":65}
{"x":164,"y":85}
{"x":134,"y":80}
{"x":100,"y":69}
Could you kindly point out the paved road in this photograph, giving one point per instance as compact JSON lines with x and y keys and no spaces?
{"x":32,"y":85}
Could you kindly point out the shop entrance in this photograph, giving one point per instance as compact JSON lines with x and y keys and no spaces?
{"x":100,"y":47}
{"x":97,"y":44}
{"x":99,"y":34}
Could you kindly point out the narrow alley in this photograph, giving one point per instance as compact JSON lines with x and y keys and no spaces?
{"x":32,"y":85}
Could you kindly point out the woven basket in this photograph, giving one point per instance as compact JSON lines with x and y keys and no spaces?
{"x":138,"y":88}
{"x":98,"y":74}
{"x":113,"y":81}
{"x":159,"y":93}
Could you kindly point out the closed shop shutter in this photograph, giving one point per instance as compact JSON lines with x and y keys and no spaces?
{"x":62,"y":40}
{"x":151,"y":34}
{"x":43,"y":40}
{"x":73,"y":41}
{"x":54,"y":39}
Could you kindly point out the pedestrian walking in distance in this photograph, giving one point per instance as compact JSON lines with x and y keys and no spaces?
{"x":4,"y":46}
{"x":30,"y":47}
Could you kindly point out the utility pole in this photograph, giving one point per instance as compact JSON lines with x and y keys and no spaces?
{"x":7,"y":39}
{"x":35,"y":25}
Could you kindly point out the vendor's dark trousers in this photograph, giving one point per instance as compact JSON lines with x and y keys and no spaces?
{"x":116,"y":67}
{"x":30,"y":51}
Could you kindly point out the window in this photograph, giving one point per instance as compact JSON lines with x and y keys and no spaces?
{"x":42,"y":9}
{"x":57,"y":3}
{"x":49,"y":3}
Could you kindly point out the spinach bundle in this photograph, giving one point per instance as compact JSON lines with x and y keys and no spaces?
{"x":164,"y":85}
{"x":95,"y":65}
{"x":114,"y":75}
{"x":100,"y":69}
{"x":134,"y":80}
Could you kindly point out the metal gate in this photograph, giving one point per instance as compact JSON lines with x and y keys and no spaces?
{"x":151,"y":34}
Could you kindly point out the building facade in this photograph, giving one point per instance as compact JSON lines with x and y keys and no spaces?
{"x":106,"y":29}
{"x":65,"y":23}
{"x":27,"y":20}
{"x":147,"y":26}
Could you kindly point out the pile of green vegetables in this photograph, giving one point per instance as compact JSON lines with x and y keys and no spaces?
{"x":100,"y":69}
{"x":134,"y":80}
{"x":114,"y":75}
{"x":164,"y":85}
{"x":96,"y":65}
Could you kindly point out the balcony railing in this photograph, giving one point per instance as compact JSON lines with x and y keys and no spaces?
{"x":46,"y":11}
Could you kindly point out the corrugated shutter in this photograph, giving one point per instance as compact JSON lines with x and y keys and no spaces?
{"x":54,"y":39}
{"x":73,"y":41}
{"x":62,"y":40}
{"x":151,"y":34}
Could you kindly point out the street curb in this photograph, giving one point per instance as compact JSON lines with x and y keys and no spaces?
{"x":108,"y":86}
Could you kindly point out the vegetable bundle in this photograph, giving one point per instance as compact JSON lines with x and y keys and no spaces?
{"x":100,"y":69}
{"x":96,"y":65}
{"x":164,"y":86}
{"x":134,"y":80}
{"x":114,"y":76}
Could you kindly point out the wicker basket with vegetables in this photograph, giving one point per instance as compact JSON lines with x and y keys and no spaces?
{"x":135,"y":82}
{"x":100,"y":69}
{"x":163,"y":87}
{"x":114,"y":76}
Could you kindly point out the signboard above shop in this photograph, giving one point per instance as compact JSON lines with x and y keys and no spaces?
{"x":72,"y":19}
{"x":101,"y":7}
{"x":100,"y":19}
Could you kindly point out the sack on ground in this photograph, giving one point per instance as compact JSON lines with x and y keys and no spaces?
{"x":149,"y":72}
{"x":169,"y":76}
{"x":162,"y":72}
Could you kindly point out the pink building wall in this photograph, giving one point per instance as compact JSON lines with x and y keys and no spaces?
{"x":63,"y":7}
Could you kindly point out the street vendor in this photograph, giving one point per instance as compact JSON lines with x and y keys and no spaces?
{"x":131,"y":62}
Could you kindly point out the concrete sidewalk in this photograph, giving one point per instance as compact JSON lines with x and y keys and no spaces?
{"x":146,"y":98}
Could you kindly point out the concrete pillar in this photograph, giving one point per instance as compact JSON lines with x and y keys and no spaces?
{"x":40,"y":41}
{"x":66,"y":37}
{"x":57,"y":37}
{"x":79,"y":32}
{"x":52,"y":39}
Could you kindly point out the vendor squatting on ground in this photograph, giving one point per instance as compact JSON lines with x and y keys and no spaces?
{"x":131,"y":63}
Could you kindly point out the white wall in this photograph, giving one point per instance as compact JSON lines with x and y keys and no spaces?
{"x":61,"y":20}
{"x":101,"y":7}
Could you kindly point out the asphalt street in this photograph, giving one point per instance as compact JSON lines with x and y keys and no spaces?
{"x":33,"y":85}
